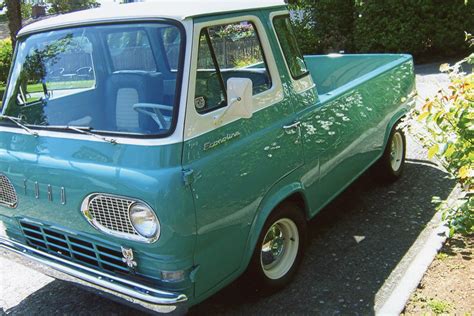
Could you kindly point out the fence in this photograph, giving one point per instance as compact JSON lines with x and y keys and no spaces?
{"x":231,"y":54}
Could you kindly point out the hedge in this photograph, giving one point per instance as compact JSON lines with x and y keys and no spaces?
{"x":6,"y":53}
{"x":420,"y":27}
{"x":424,"y":28}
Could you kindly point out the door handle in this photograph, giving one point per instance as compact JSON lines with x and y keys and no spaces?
{"x":292,"y":126}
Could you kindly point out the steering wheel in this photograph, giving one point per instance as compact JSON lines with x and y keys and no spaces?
{"x":154,"y":111}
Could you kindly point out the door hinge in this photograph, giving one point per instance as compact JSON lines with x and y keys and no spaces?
{"x":188,"y":176}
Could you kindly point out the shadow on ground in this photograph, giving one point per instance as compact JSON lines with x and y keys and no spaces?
{"x":338,"y":275}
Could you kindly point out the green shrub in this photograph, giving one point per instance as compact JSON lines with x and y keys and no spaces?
{"x":305,"y":36}
{"x":445,"y":125}
{"x":26,"y":10}
{"x":422,"y":27}
{"x":65,"y":6}
{"x":6,"y":54}
{"x":334,"y":21}
{"x":325,"y":26}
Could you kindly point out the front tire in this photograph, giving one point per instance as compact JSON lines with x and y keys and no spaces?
{"x":279,"y":249}
{"x":392,"y":163}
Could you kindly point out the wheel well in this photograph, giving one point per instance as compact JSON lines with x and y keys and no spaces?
{"x":391,"y":127}
{"x":298,"y":199}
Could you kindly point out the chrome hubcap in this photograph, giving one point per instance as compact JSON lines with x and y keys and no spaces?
{"x":396,"y":151}
{"x":279,"y":248}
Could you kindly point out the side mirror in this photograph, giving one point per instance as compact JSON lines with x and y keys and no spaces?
{"x":239,"y":98}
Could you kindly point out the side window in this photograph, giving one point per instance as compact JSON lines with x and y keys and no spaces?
{"x":289,"y":46}
{"x":131,"y":50}
{"x":228,"y":51}
{"x":171,"y":39}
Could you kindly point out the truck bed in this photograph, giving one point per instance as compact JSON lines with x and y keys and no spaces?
{"x":341,"y":72}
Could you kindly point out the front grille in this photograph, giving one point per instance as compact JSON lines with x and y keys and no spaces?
{"x":112,"y":213}
{"x":8,"y":195}
{"x":74,"y":248}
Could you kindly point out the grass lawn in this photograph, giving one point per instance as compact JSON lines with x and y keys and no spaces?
{"x":62,"y":85}
{"x":34,"y":88}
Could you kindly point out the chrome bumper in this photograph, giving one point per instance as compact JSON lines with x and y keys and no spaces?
{"x":116,"y":288}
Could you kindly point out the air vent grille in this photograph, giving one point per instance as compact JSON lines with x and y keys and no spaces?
{"x":112,"y":213}
{"x":8,"y":195}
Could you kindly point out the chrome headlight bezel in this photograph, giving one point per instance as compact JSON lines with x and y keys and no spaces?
{"x":126,"y":203}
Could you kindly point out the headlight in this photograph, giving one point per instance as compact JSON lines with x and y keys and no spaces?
{"x":122,"y":217}
{"x":144,"y":220}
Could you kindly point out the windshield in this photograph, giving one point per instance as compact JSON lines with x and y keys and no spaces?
{"x":116,"y":78}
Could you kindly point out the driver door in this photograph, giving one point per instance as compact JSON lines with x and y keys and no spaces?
{"x":236,"y":162}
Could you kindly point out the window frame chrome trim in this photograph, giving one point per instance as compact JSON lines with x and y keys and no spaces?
{"x":185,"y":27}
{"x":94,"y":223}
{"x":195,"y":124}
{"x":219,"y":69}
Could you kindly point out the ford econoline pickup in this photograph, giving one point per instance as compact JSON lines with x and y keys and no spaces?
{"x":156,"y":152}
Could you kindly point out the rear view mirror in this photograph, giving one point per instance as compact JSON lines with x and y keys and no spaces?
{"x":239,"y":99}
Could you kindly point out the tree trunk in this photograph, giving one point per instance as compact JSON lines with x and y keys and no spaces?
{"x":14,"y":18}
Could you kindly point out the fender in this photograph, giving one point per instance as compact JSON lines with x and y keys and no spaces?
{"x":405,"y":108}
{"x":280,"y":191}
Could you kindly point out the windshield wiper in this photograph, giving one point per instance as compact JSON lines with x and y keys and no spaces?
{"x":18,"y":121}
{"x":86,"y":130}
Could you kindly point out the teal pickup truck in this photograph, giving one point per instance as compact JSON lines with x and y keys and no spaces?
{"x":156,"y":152}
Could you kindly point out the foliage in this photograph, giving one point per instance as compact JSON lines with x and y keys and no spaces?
{"x":323,"y":26}
{"x":439,"y":307}
{"x":304,"y":31}
{"x":423,"y":27}
{"x":236,"y":31}
{"x":445,"y":124}
{"x":64,"y":6}
{"x":245,"y":60}
{"x":334,"y":22}
{"x":34,"y":67}
{"x":26,"y":10}
{"x":6,"y":53}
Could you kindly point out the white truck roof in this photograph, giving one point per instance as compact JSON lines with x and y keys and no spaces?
{"x":173,"y":9}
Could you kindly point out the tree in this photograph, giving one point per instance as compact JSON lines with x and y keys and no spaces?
{"x":14,"y":18}
{"x":65,"y":6}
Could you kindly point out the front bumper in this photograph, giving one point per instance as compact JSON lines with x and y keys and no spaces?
{"x":118,"y":289}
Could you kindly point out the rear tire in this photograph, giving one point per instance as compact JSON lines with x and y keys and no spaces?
{"x":392,"y":163}
{"x":279,"y":249}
